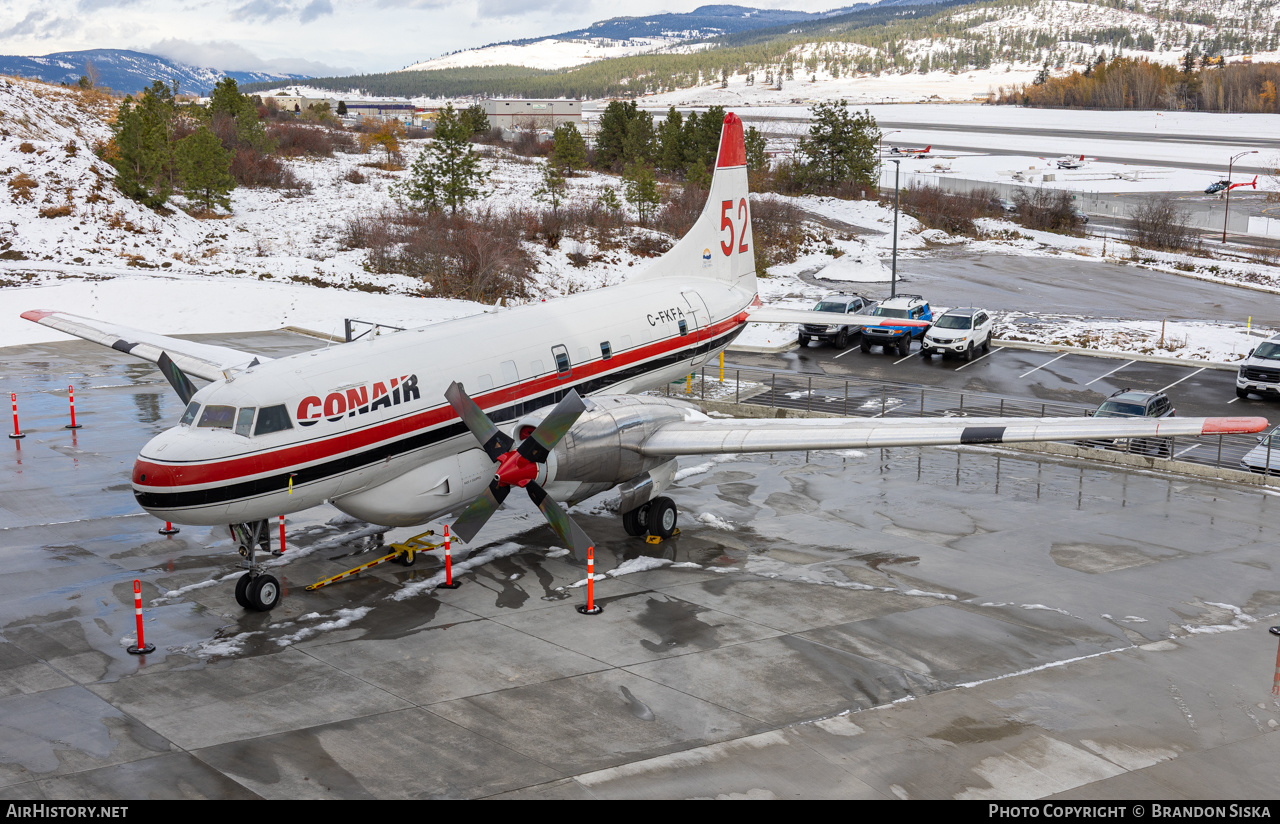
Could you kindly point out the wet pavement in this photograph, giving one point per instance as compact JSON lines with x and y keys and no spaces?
{"x":910,"y":623}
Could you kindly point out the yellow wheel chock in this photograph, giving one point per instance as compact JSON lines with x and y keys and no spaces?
{"x":654,"y":539}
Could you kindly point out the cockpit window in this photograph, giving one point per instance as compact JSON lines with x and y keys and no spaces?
{"x":244,"y":421}
{"x":217,"y":417}
{"x":189,"y":416}
{"x":272,"y":419}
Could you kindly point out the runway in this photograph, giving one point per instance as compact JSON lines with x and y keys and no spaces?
{"x":903,"y":623}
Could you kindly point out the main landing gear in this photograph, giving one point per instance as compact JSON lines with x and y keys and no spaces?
{"x":657,"y":519}
{"x":256,"y":589}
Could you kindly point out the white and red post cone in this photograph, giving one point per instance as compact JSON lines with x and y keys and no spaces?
{"x":449,"y":583}
{"x":591,"y":607}
{"x":17,"y":433}
{"x":141,"y":647}
{"x":71,"y":397}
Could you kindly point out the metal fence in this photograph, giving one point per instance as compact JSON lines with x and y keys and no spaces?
{"x":860,"y":398}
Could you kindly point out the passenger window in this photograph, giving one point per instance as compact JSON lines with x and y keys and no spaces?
{"x":484,"y":382}
{"x":606,"y":351}
{"x":509,"y":373}
{"x":273,"y":419}
{"x":189,"y":416}
{"x":684,"y":328}
{"x":244,"y":421}
{"x":217,"y":417}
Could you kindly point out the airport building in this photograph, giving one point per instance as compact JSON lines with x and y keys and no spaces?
{"x":512,"y":115}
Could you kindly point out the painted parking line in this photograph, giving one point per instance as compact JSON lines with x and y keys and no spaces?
{"x":975,"y":360}
{"x":1112,"y":372}
{"x":1183,"y":378}
{"x":1233,"y":400}
{"x":908,"y":357}
{"x":1043,"y":365}
{"x":1185,"y":451}
{"x":847,"y":351}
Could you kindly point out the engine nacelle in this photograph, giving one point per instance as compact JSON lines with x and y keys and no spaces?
{"x":603,"y":445}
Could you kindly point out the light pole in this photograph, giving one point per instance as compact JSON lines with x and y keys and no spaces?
{"x":893,"y":282}
{"x":880,"y":164}
{"x":1227,"y":208}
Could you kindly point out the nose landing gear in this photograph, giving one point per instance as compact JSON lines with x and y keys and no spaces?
{"x":255,"y":590}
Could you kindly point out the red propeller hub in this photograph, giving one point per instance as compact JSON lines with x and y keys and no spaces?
{"x":516,"y":470}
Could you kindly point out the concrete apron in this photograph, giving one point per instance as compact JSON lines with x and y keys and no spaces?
{"x":1062,"y":450}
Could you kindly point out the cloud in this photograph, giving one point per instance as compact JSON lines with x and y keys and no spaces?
{"x":519,"y":8}
{"x":38,"y":24}
{"x":266,"y":10}
{"x":228,"y":56}
{"x":97,"y":5}
{"x":314,"y":10}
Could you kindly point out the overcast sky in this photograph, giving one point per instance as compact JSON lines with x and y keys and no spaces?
{"x":307,"y":36}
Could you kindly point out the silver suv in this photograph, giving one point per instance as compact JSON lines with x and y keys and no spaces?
{"x":1260,"y":372}
{"x":837,"y":334}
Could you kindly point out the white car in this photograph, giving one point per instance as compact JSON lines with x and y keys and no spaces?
{"x":1265,"y":457}
{"x":959,"y":331}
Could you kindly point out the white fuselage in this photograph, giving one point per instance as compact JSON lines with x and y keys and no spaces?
{"x":370,"y":430}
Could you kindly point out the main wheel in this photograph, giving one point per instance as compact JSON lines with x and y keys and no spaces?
{"x":264,"y":593}
{"x":636,"y":522}
{"x":662,"y":517}
{"x":804,"y":339}
{"x":1242,"y":394}
{"x":866,"y":344}
{"x":842,"y":339}
{"x":242,"y":590}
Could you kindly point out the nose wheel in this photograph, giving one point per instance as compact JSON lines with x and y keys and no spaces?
{"x":255,"y":590}
{"x":655,"y":519}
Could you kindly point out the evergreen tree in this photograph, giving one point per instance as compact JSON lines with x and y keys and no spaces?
{"x":342,"y":108}
{"x":447,"y":172}
{"x":144,"y":152}
{"x":625,"y":136}
{"x":569,"y":150}
{"x":755,"y":143}
{"x":205,"y":169}
{"x":641,"y":189}
{"x":475,"y":117}
{"x":671,"y":141}
{"x":552,"y":188}
{"x":840,"y":146}
{"x":235,"y":118}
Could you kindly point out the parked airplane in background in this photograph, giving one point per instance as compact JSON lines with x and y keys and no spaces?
{"x":915,"y":152}
{"x":385,"y":431}
{"x":1071,"y":162}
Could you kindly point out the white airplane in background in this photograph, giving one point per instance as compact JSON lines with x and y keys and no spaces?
{"x":1071,"y":162}
{"x":384,"y":430}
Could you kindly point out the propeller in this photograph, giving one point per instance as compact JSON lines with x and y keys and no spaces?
{"x":176,"y":377}
{"x":518,"y":467}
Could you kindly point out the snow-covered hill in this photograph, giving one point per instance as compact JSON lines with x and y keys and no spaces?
{"x":127,"y":72}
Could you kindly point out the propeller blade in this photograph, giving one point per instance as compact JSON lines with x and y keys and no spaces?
{"x":565,"y":527}
{"x":538,"y":445}
{"x":177,"y":378}
{"x":494,"y":442}
{"x":479,"y":511}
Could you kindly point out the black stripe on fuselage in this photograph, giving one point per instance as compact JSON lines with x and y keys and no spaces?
{"x":319,"y":472}
{"x":982,"y":434}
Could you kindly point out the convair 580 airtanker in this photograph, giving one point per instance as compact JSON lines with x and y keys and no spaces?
{"x":406,"y":428}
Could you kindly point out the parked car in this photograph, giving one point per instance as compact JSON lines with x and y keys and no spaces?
{"x":1127,"y":403}
{"x":1080,"y":216}
{"x":837,"y":334}
{"x":1265,"y":457}
{"x":913,"y":307}
{"x":1260,"y":372}
{"x":958,"y":331}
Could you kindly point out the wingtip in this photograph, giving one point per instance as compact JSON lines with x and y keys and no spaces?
{"x":1233,"y":426}
{"x":36,"y":315}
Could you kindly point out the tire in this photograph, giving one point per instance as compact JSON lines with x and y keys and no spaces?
{"x":804,"y":339}
{"x":968,"y":353}
{"x":865,"y":345}
{"x":1242,"y":394}
{"x":242,"y":590}
{"x":636,"y":522}
{"x":926,"y":353}
{"x":407,"y":559}
{"x":842,"y":339}
{"x":264,"y":593}
{"x":986,"y":344}
{"x":904,"y":346}
{"x":662,"y":517}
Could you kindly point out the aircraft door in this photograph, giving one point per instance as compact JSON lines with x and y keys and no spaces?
{"x":700,"y":325}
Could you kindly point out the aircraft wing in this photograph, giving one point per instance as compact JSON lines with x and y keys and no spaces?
{"x":739,"y":435}
{"x":769,"y":314}
{"x":202,"y":360}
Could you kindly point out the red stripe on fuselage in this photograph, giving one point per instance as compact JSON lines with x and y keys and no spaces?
{"x":163,"y":475}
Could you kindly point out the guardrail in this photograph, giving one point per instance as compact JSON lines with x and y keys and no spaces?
{"x":861,"y":398}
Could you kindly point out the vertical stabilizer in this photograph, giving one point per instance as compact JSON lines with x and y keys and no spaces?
{"x":719,"y":246}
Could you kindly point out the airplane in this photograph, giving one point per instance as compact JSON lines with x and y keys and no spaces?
{"x":1070,"y":162}
{"x":385,"y":430}
{"x":916,"y":152}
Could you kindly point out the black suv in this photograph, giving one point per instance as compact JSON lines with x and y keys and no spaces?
{"x":838,"y":335}
{"x":1129,"y":404}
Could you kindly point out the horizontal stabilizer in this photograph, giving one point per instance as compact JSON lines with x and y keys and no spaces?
{"x":202,"y":360}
